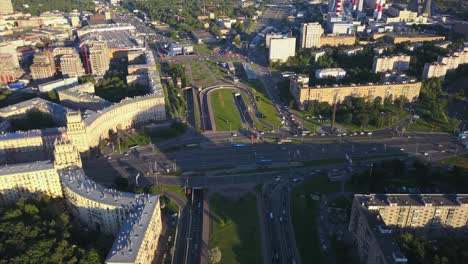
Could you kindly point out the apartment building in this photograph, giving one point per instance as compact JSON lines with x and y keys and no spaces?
{"x":375,"y":217}
{"x":135,"y":219}
{"x":9,"y":69}
{"x":310,"y":35}
{"x":303,"y":93}
{"x":435,"y":69}
{"x":337,"y":40}
{"x":43,"y":67}
{"x":270,"y":36}
{"x":391,"y":63}
{"x":26,"y":180}
{"x":71,"y":66}
{"x":98,"y":55}
{"x":281,"y":49}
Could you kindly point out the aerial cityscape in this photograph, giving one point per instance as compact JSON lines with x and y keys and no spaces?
{"x":234,"y":131}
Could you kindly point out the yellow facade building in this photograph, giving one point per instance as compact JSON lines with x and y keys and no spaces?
{"x":135,"y":219}
{"x":391,"y":63}
{"x":337,"y":40}
{"x":26,"y":180}
{"x":375,"y":217}
{"x":303,"y":93}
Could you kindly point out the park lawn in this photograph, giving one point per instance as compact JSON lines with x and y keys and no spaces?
{"x":264,"y":104}
{"x":202,"y":49}
{"x":460,"y":161}
{"x":161,"y":134}
{"x":421,"y":125}
{"x":305,"y":214}
{"x":234,"y":229}
{"x":196,"y":111}
{"x":134,"y":138}
{"x":225,"y":111}
{"x":202,"y":75}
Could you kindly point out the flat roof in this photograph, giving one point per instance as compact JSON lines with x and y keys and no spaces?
{"x":130,"y":237}
{"x":94,"y":115}
{"x":411,"y":199}
{"x":26,"y":167}
{"x":141,"y":208}
{"x":33,"y":133}
{"x":34,"y":103}
{"x":202,"y":34}
{"x":384,"y":237}
{"x":115,"y":39}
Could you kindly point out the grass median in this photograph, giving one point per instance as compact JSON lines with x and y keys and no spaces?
{"x":226,"y":114}
{"x":305,"y":215}
{"x":234,"y":228}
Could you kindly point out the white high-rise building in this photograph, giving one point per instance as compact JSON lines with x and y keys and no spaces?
{"x":310,"y":35}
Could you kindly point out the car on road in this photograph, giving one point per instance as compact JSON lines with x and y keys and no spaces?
{"x":271,"y":215}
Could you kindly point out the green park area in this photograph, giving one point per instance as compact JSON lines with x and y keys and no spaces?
{"x":460,"y":161}
{"x":226,"y":114}
{"x":236,"y":235}
{"x":42,"y":231}
{"x":205,"y":73}
{"x":8,"y":97}
{"x":265,"y":106}
{"x":176,"y":105}
{"x":123,"y":140}
{"x":305,"y":202}
{"x":34,"y":119}
{"x":114,"y":88}
{"x":202,"y":49}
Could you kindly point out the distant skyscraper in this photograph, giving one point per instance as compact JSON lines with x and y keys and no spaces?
{"x":310,"y":35}
{"x":6,"y":7}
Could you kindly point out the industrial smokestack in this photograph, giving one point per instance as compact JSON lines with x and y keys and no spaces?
{"x":338,"y":7}
{"x":376,"y":9}
{"x":354,"y":5}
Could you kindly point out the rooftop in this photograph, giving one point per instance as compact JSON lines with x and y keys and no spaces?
{"x":371,"y":200}
{"x":141,"y":206}
{"x":94,"y":115}
{"x":76,"y":180}
{"x":384,"y":237}
{"x":128,"y":242}
{"x":33,"y":133}
{"x":115,"y":39}
{"x":33,"y":103}
{"x":26,"y":167}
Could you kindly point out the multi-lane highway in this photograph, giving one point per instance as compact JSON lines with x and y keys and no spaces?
{"x":225,"y":156}
{"x":194,"y":234}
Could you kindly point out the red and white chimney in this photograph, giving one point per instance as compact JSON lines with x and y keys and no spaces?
{"x":381,"y":4}
{"x":376,"y":9}
{"x":338,"y":7}
{"x":354,"y":5}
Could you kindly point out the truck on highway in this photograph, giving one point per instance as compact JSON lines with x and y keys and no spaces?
{"x":264,"y":163}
